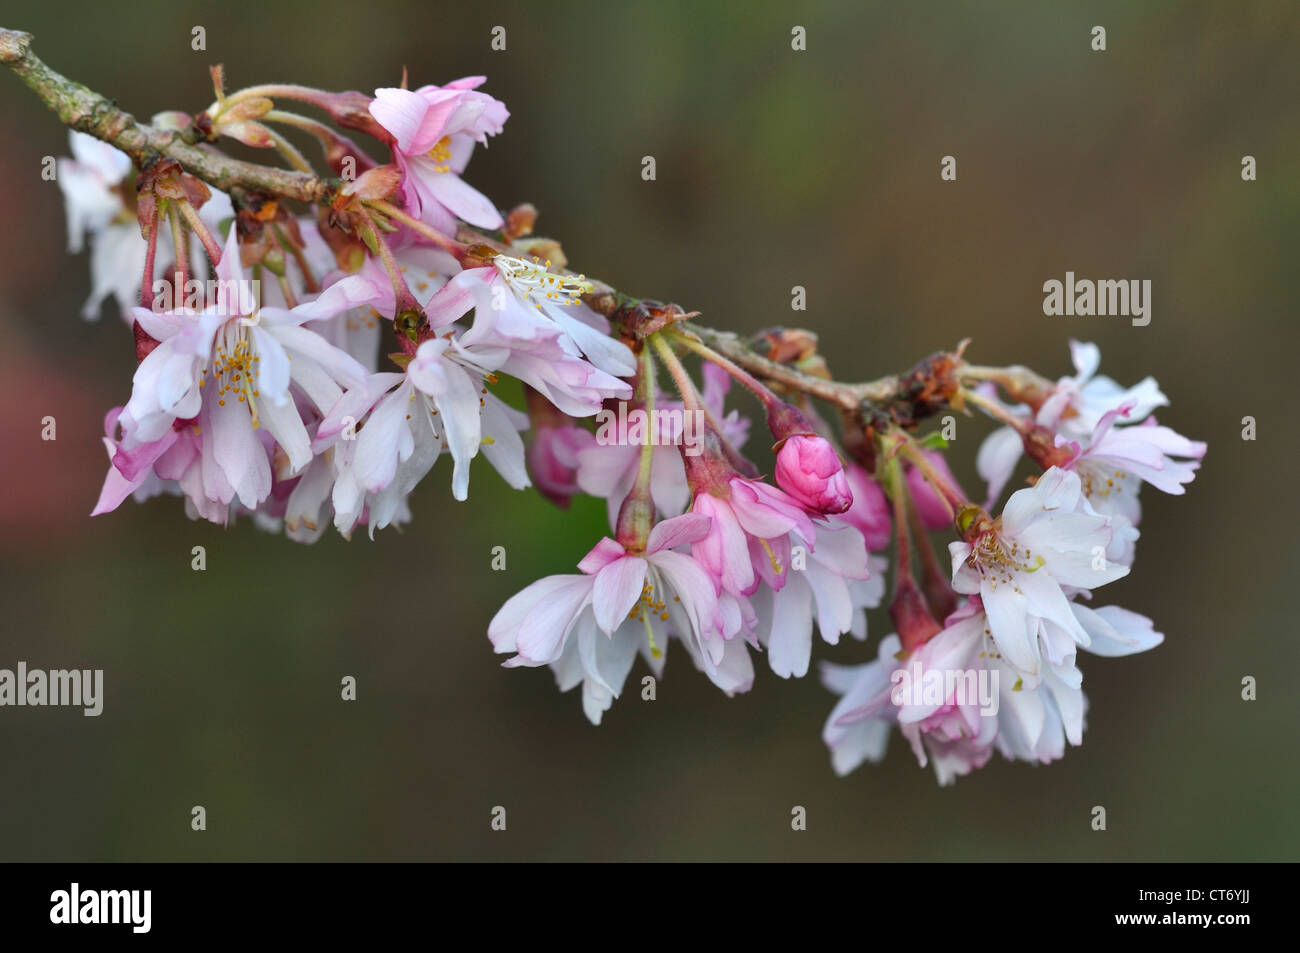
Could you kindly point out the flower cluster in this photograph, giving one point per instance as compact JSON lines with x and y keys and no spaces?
{"x":260,"y":390}
{"x":1024,"y":580}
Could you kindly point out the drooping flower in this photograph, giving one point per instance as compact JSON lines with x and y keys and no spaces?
{"x":1047,"y":537}
{"x":435,"y":129}
{"x":956,"y":699}
{"x":1117,"y":460}
{"x":442,"y":402}
{"x":407,"y":420}
{"x":518,"y":302}
{"x":749,"y":529}
{"x":832,"y":586}
{"x":91,"y":185}
{"x":1072,"y":410}
{"x":628,"y":599}
{"x":227,"y":372}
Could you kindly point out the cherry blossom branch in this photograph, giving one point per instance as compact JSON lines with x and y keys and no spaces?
{"x":86,"y":111}
{"x":847,"y":396}
{"x":913,"y":395}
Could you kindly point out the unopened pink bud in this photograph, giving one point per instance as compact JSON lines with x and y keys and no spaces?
{"x":808,"y":468}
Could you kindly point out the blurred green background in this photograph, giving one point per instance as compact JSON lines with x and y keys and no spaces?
{"x":775,"y":168}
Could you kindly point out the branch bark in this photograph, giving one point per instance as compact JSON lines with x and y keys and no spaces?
{"x":87,"y":111}
{"x":847,"y":396}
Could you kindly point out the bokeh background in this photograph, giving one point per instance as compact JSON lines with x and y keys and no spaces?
{"x":775,"y":168}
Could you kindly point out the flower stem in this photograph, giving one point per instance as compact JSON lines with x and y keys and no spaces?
{"x":181,"y":254}
{"x":405,"y":300}
{"x":290,"y":152}
{"x":308,"y":276}
{"x":752,"y":384}
{"x":994,"y":409}
{"x":951,"y":498}
{"x":685,"y":386}
{"x":150,"y":253}
{"x":197,"y":225}
{"x":648,"y":388}
{"x":935,"y":583}
{"x":899,"y":497}
{"x":435,"y":236}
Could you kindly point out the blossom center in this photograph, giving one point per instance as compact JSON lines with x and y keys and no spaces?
{"x":1098,"y":483}
{"x":533,"y":282}
{"x":234,"y":367}
{"x":998,"y":560}
{"x":650,"y":607}
{"x":441,"y":154}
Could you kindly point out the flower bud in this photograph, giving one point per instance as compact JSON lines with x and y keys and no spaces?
{"x":809,"y":469}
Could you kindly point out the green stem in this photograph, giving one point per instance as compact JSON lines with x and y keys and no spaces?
{"x":685,"y":386}
{"x":764,"y":395}
{"x":994,"y":409}
{"x":289,"y":151}
{"x":435,"y":236}
{"x":945,"y":490}
{"x":180,"y":250}
{"x":200,"y":229}
{"x":648,"y":398}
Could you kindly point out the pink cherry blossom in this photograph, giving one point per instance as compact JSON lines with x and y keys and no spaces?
{"x":1117,"y":460}
{"x":750,"y":524}
{"x":231,"y":372}
{"x":645,"y":597}
{"x":519,"y":302}
{"x":1073,"y":410}
{"x":434,"y":129}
